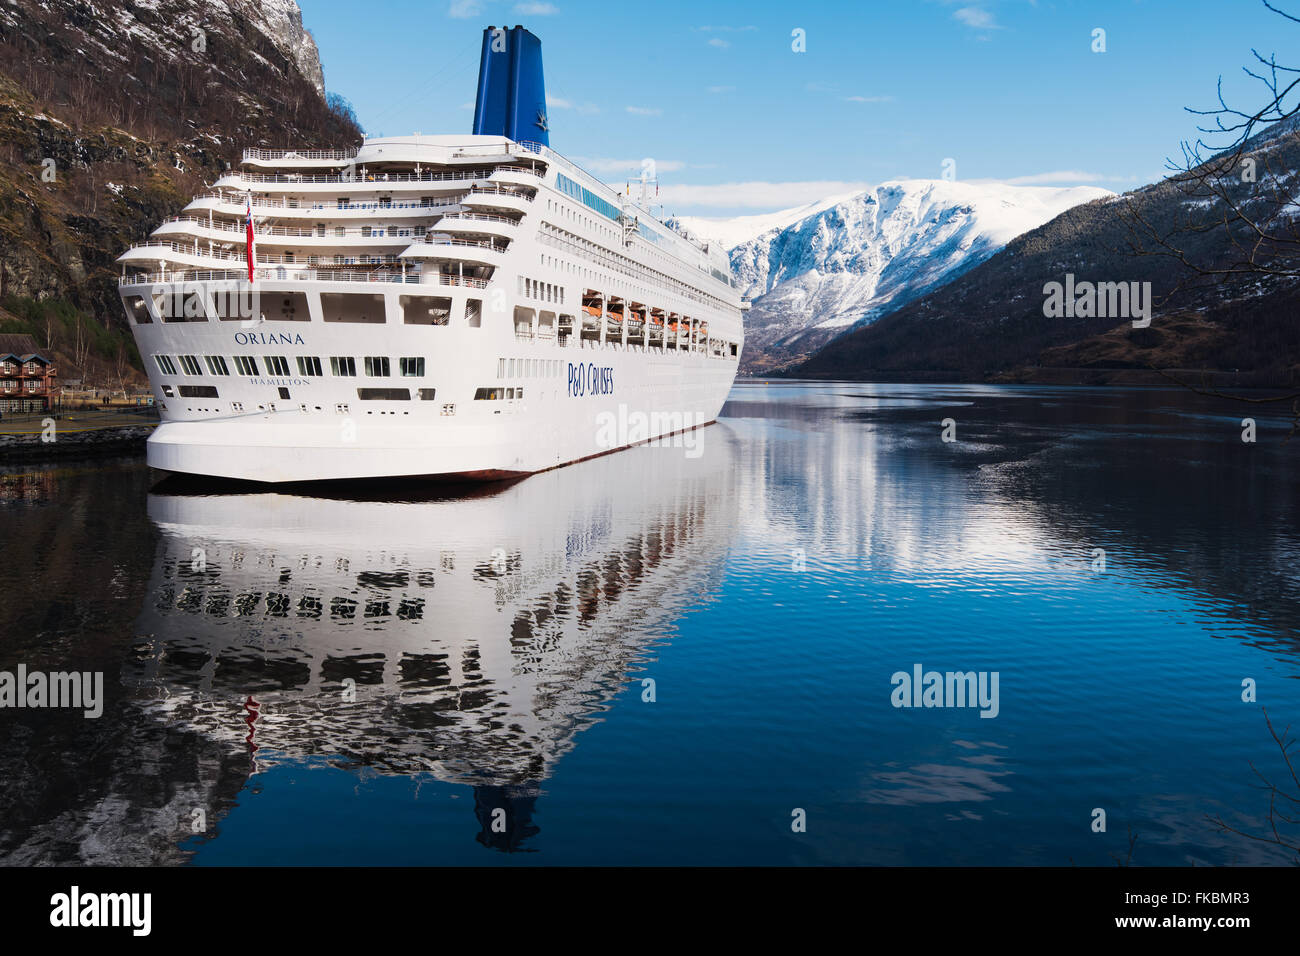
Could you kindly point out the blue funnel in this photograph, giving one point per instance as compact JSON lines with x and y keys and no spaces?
{"x":511,"y":92}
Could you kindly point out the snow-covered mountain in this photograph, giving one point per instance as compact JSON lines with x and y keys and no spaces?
{"x":817,"y":271}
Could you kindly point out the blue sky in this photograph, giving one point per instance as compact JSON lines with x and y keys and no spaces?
{"x":738,"y":123}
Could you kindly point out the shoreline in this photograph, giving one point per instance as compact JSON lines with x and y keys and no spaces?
{"x":104,"y":442}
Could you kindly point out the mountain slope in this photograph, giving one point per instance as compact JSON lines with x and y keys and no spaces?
{"x":114,"y":114}
{"x":990,"y":323}
{"x":815,"y":276}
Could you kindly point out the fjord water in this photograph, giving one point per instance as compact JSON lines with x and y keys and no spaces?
{"x":445,"y":677}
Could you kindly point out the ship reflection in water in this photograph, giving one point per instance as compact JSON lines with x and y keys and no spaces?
{"x":318,"y":679}
{"x":469,"y":638}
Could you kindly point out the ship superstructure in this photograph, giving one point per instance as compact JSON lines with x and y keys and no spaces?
{"x":471,"y":305}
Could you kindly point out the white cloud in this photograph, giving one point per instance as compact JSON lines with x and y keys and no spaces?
{"x":744,"y":29}
{"x":1056,"y":176}
{"x":869,"y":99}
{"x":465,"y":9}
{"x":537,"y":9}
{"x":977,"y":18}
{"x":561,"y":103}
{"x":722,"y":89}
{"x":754,"y":195}
{"x":644,"y":110}
{"x":467,"y":106}
{"x":605,"y":166}
{"x":718,"y":42}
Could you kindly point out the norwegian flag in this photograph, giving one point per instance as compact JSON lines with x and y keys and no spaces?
{"x":248,"y":238}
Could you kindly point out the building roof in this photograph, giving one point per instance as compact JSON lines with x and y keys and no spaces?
{"x":20,"y":346}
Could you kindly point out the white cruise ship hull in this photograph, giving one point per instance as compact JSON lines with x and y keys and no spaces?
{"x":668,"y":402}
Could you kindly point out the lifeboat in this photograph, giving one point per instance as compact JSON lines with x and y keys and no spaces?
{"x":590,"y":316}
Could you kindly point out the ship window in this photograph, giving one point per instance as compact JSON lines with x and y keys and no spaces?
{"x":384,"y":394}
{"x":412,"y":366}
{"x":377,"y":366}
{"x":190,"y":364}
{"x":277,"y":365}
{"x":246,"y":364}
{"x":474,"y":312}
{"x":232,"y":305}
{"x":138,"y":310}
{"x":488,"y":394}
{"x":198,"y":391}
{"x":343,"y":365}
{"x":167,"y":392}
{"x":288,"y":306}
{"x":165,"y":364}
{"x":425,"y":309}
{"x":181,"y":307}
{"x":308,"y":365}
{"x":216,"y":364}
{"x":427,"y":394}
{"x":510,"y":393}
{"x":352,"y":307}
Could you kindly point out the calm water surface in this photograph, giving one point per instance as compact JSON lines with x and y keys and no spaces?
{"x":451,"y":678}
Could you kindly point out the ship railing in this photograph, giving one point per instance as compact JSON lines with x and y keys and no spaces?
{"x":261,"y":258}
{"x":468,"y":282}
{"x":381,"y":178}
{"x":479,"y":243}
{"x":331,"y":232}
{"x":503,"y":188}
{"x":480,"y":217}
{"x":280,"y":274}
{"x":270,"y":155}
{"x":238,"y":202}
{"x":520,"y":169}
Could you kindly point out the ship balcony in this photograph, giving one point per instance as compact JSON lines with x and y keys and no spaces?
{"x":477,"y":224}
{"x":292,"y":208}
{"x":185,"y":229}
{"x":516,"y":176}
{"x":192,"y":254}
{"x":501,"y":199}
{"x":448,"y":249}
{"x":242,"y":181}
{"x":293,"y":158}
{"x":296,"y":274}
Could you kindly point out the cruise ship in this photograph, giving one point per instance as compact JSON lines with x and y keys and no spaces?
{"x":470,"y":306}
